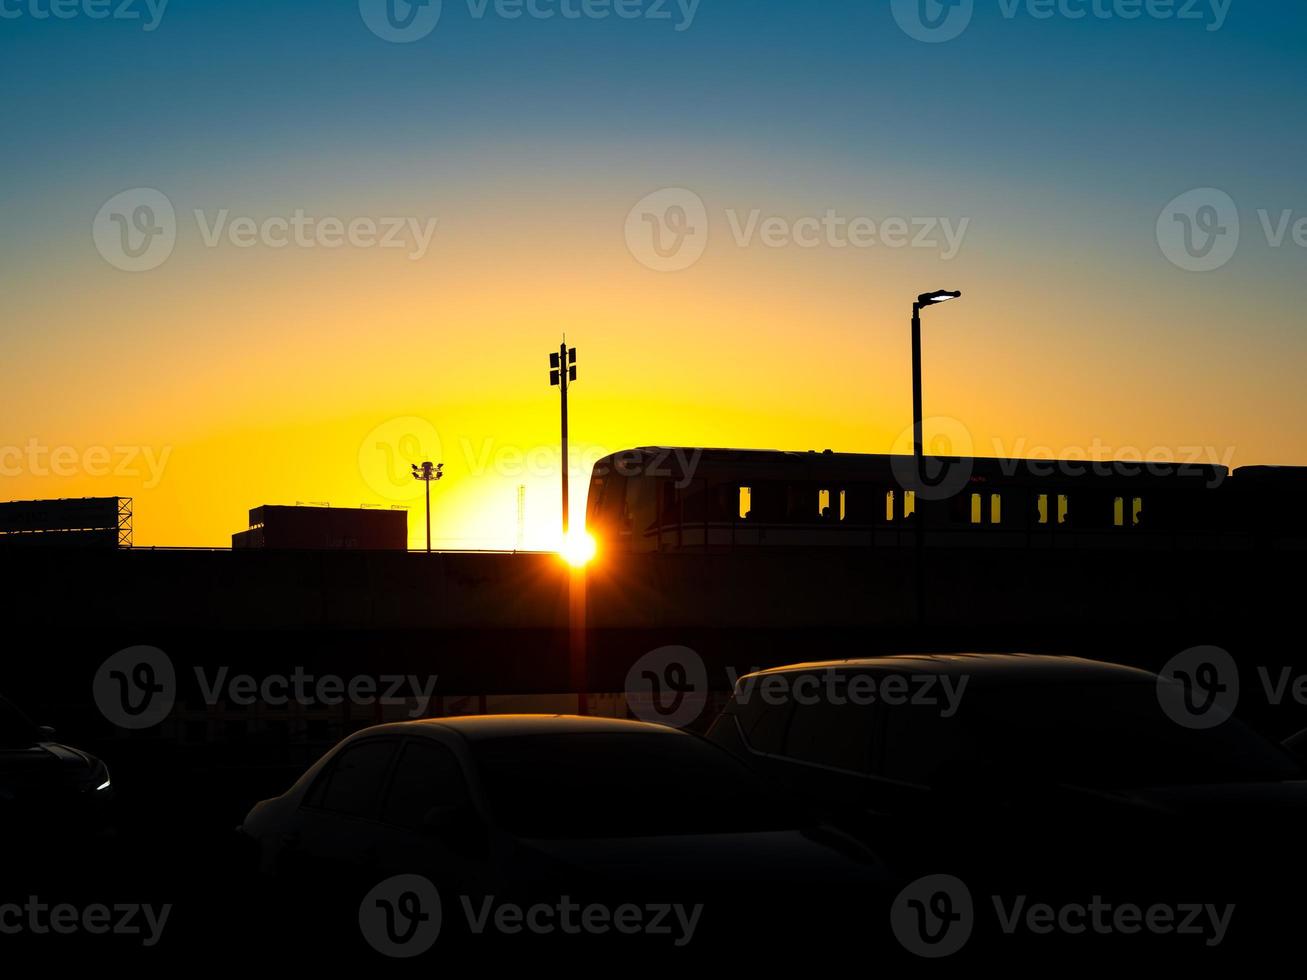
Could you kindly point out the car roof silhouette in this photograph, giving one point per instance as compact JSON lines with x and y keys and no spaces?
{"x":475,"y":727}
{"x":1017,"y":668}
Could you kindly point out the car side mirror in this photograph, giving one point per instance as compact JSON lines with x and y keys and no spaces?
{"x":45,"y":730}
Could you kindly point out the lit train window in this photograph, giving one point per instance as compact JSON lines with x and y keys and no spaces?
{"x":1136,"y":511}
{"x":746,"y":502}
{"x":892,"y":512}
{"x":1063,"y":508}
{"x":1041,"y":508}
{"x":978,"y":508}
{"x":827,"y":508}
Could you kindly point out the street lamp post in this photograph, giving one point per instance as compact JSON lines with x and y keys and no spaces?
{"x":562,"y":372}
{"x":429,"y":473}
{"x":918,"y":441}
{"x":924,"y":300}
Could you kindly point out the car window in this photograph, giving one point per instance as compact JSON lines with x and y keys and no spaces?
{"x":638,"y":784}
{"x":922,"y":746}
{"x":1113,"y":735}
{"x":763,"y":724}
{"x":352,"y":784}
{"x":427,"y":776}
{"x":831,"y":734}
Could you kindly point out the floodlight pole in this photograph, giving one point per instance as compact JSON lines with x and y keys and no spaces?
{"x":429,"y":473}
{"x":566,"y":519}
{"x":562,"y":372}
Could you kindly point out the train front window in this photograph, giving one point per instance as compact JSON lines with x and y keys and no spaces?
{"x":642,"y":507}
{"x":596,"y":501}
{"x":606,"y":509}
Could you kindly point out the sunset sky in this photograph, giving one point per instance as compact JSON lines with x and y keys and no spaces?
{"x":228,"y":376}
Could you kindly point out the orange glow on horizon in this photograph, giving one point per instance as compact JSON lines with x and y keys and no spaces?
{"x":328,"y":373}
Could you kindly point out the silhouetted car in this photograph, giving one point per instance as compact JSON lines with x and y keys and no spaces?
{"x":46,"y":786}
{"x":1029,"y":767}
{"x":548,"y":805}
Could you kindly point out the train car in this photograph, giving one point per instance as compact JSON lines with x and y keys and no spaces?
{"x":684,"y":499}
{"x":1266,"y":503}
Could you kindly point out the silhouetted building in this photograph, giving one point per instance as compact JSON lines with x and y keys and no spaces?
{"x":324,"y":529}
{"x":91,"y":522}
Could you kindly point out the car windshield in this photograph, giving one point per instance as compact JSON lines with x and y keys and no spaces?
{"x":16,"y":731}
{"x":1112,"y":735}
{"x":623,"y":785}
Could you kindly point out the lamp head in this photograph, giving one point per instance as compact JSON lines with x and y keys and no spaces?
{"x":937,"y":297}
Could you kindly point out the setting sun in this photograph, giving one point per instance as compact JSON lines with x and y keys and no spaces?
{"x":578,"y":549}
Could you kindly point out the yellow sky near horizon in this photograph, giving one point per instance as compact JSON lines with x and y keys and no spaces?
{"x":263,"y":376}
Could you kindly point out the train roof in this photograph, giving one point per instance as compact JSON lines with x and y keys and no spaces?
{"x":677,"y":459}
{"x":1294,"y":475}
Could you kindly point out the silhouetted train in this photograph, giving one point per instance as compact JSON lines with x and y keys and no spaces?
{"x":672,"y":499}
